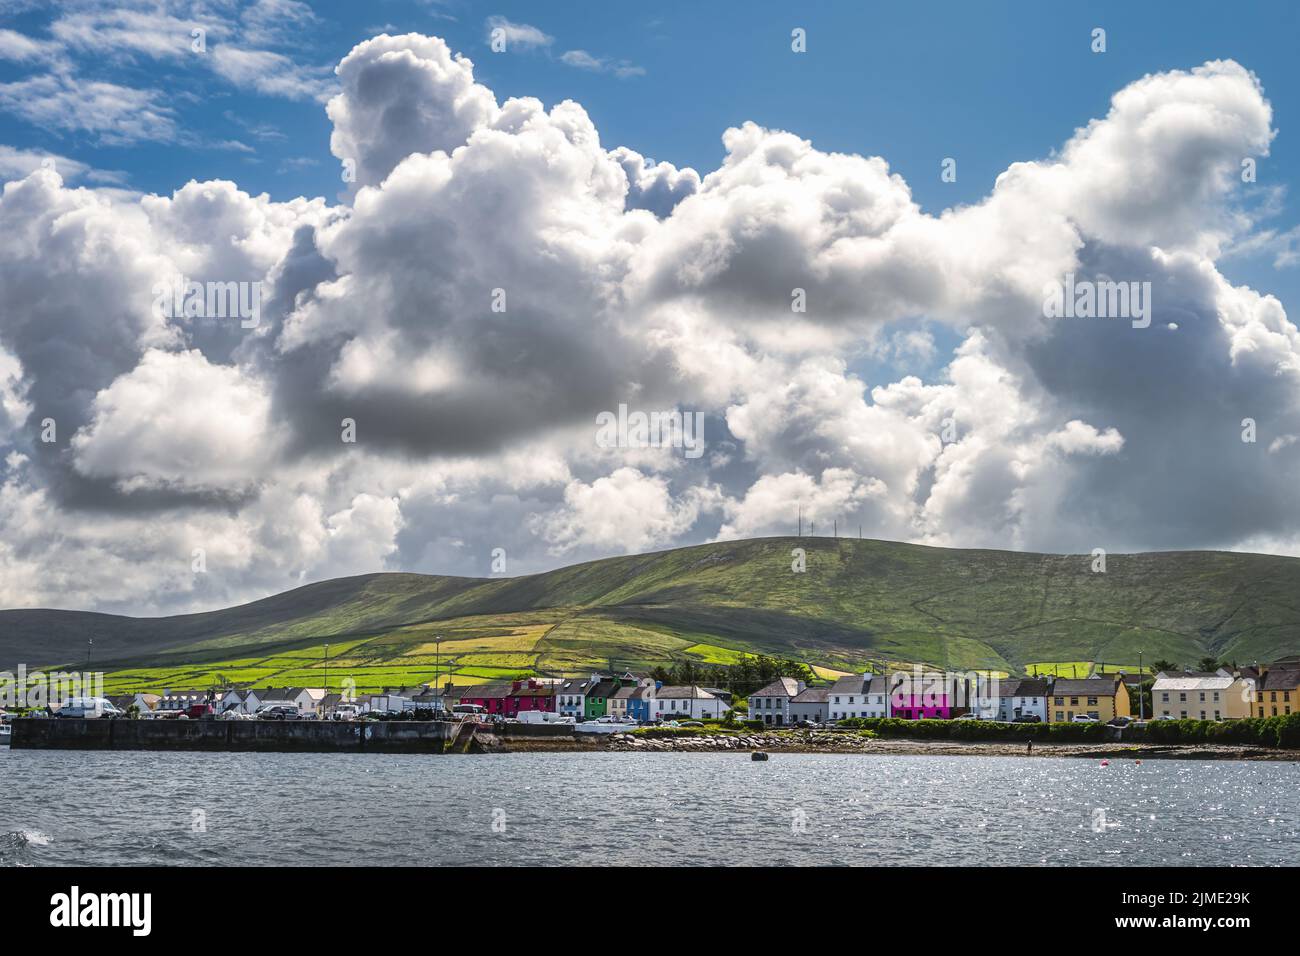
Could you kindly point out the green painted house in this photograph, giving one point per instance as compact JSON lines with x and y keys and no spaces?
{"x":599,"y":690}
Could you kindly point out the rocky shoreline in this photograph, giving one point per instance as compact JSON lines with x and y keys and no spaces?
{"x":823,"y":742}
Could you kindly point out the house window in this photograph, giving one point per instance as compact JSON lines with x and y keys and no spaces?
{"x":1165,"y":697}
{"x":1058,"y":701}
{"x":1184,"y":714}
{"x":1216,"y":696}
{"x":1074,"y":702}
{"x":1216,"y":716}
{"x":1060,"y":715}
{"x":1202,"y":697}
{"x":1182,"y":698}
{"x":1092,"y":701}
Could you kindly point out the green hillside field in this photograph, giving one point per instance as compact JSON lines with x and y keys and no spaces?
{"x":859,"y":603}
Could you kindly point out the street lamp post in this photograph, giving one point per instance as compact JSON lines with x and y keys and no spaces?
{"x":1142,"y":697}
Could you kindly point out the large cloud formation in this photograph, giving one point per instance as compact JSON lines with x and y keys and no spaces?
{"x":422,"y":383}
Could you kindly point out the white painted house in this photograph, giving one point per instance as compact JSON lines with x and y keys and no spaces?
{"x":771,"y":704}
{"x":239,"y":701}
{"x":174,"y":701}
{"x":810,"y":705}
{"x":1022,"y":697}
{"x":299,"y":697}
{"x":571,"y":695}
{"x":689,"y":702}
{"x":858,"y":695}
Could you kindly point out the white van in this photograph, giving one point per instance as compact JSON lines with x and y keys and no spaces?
{"x":89,"y":707}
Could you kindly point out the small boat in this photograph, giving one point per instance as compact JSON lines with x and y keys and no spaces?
{"x":6,"y":733}
{"x":758,"y":755}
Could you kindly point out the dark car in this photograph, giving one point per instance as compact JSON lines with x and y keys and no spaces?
{"x":279,"y":712}
{"x":1027,"y":719}
{"x":1120,"y":721}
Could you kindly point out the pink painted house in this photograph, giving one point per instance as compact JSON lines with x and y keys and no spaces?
{"x":530,"y":696}
{"x":928,"y":696}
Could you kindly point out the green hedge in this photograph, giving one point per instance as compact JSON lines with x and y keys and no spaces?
{"x":977,"y":730}
{"x":1256,"y":731}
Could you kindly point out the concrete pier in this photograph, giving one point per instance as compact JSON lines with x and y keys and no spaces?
{"x":318,"y":736}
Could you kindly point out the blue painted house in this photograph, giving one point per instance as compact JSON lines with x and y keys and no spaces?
{"x":640,"y":706}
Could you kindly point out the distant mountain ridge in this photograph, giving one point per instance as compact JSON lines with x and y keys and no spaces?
{"x":858,"y":601}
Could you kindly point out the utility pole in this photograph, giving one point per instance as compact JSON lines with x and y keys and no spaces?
{"x":437,"y":668}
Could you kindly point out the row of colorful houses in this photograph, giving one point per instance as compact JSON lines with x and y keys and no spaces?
{"x":624,"y":697}
{"x":1226,"y":694}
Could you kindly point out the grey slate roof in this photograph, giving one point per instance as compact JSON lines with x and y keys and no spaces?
{"x":1280,"y":678}
{"x":1086,"y":687}
{"x":813,"y":695}
{"x":1024,"y":687}
{"x":687,"y":691}
{"x":781,"y":687}
{"x":606,"y":688}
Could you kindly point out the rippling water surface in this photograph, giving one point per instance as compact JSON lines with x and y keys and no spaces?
{"x":331,"y":809}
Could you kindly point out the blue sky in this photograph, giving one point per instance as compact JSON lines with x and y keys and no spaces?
{"x":986,"y":84}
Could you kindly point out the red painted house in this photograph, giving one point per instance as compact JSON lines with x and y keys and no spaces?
{"x":508,"y":700}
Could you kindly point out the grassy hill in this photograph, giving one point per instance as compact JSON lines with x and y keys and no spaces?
{"x":858,"y":602}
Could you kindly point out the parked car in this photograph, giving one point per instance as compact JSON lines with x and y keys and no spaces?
{"x":1027,"y":719}
{"x":968,"y":717}
{"x":197,"y":712}
{"x":346,"y":712}
{"x":277,"y":712}
{"x":91,"y":707}
{"x":1120,"y":721}
{"x":1083,"y":719}
{"x":1166,"y":717}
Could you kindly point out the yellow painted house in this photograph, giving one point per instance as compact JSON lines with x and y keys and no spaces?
{"x":1103,"y":698}
{"x":1278,"y":692}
